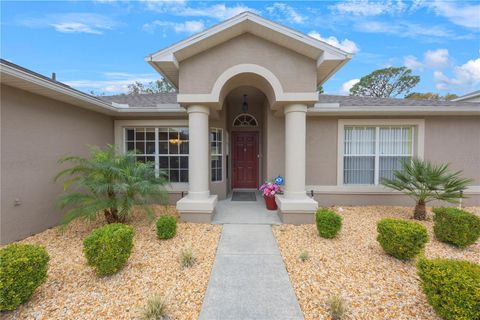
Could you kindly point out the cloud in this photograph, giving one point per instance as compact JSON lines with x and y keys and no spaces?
{"x":284,"y":12}
{"x":91,"y":23}
{"x":464,"y":15}
{"x":345,"y":90}
{"x":465,"y":77}
{"x":405,"y":29}
{"x":411,"y":62}
{"x":433,"y":59}
{"x":369,"y":8}
{"x":180,"y":8}
{"x":112,"y":82}
{"x":437,"y":59}
{"x":346,"y":44}
{"x":184,"y":27}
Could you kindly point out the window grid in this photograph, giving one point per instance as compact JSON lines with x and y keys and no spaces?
{"x":166,"y":147}
{"x":375,"y":152}
{"x":216,"y":154}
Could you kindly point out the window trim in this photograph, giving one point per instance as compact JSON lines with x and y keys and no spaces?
{"x":418,"y":141}
{"x":216,"y":154}
{"x":245,"y":126}
{"x":120,"y":139}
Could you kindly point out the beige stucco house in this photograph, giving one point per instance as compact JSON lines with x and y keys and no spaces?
{"x":246,"y":110}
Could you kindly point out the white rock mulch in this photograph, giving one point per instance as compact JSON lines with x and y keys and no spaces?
{"x":354,"y":266}
{"x":73,"y":291}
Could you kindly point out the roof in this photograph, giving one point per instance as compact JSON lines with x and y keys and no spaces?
{"x":25,"y":79}
{"x":153,"y":100}
{"x":348,"y":101}
{"x":19,"y":77}
{"x":166,"y":103}
{"x":470,"y":95}
{"x":329,"y":58}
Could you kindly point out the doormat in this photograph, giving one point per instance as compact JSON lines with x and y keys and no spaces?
{"x":244,"y":196}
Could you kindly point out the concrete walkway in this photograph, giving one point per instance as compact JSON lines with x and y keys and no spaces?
{"x":248,"y":279}
{"x":244,"y":212}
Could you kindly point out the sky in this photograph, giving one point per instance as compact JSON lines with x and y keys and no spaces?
{"x":100,"y":45}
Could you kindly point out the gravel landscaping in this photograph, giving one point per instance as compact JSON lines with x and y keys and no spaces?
{"x":73,"y":290}
{"x":354,"y":266}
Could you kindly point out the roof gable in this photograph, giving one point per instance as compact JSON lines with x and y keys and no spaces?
{"x":329,"y":58}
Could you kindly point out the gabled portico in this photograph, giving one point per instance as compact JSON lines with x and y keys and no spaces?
{"x":245,"y":52}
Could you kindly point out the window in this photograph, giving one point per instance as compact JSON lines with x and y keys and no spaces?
{"x":245,"y":120}
{"x":216,"y":152}
{"x":371,"y":153}
{"x":166,"y":147}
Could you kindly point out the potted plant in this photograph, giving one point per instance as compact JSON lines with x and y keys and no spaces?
{"x":269,"y":190}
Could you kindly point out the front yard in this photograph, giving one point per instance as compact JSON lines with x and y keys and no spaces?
{"x":353,"y":266}
{"x":73,"y":290}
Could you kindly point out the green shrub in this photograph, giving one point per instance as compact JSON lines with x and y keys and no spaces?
{"x":452,"y":287}
{"x":23,"y":268}
{"x":108,"y":248}
{"x":166,"y":227}
{"x":401,"y":239}
{"x":328,"y":223}
{"x":456,"y":226}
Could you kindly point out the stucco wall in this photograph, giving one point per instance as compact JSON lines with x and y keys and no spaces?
{"x":454,"y":140}
{"x":199,"y":73}
{"x":321,"y":163}
{"x":275,"y":148}
{"x":35,"y":133}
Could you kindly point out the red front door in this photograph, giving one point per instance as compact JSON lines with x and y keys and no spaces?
{"x":245,"y":159}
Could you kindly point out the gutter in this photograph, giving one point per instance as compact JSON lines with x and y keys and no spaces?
{"x":395,"y":110}
{"x":67,"y":91}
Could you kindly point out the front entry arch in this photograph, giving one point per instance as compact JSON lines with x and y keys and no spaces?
{"x":245,"y":151}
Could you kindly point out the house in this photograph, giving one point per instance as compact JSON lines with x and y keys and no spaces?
{"x":469,"y":97}
{"x":246,"y":110}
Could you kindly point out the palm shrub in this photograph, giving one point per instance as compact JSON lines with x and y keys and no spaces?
{"x":23,"y":268}
{"x":452,"y":287}
{"x":455,"y":226}
{"x":108,"y":248}
{"x":400,"y":238}
{"x":328,"y":223}
{"x":110,"y":182}
{"x":425,"y":182}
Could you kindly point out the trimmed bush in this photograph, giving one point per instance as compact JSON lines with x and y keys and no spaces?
{"x":107,"y":248}
{"x":23,"y":268}
{"x":328,"y":223}
{"x":456,"y":226}
{"x":452,"y":287}
{"x":401,"y":239}
{"x":166,"y":227}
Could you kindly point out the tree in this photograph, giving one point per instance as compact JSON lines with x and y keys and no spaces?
{"x":320,"y":89}
{"x":450,"y":96}
{"x":425,"y":182}
{"x":157,"y":86}
{"x":110,"y":182}
{"x":423,"y":96}
{"x":385,"y":83}
{"x":431,"y":96}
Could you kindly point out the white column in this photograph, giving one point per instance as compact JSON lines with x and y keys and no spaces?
{"x":198,"y":155}
{"x":295,"y":139}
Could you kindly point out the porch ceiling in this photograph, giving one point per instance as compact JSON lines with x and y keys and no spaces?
{"x":329,"y":58}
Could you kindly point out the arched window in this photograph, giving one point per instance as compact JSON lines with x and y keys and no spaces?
{"x":245,"y":120}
